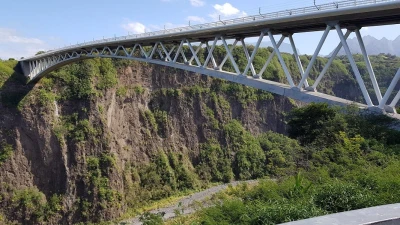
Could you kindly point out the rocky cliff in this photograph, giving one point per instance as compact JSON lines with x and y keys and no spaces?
{"x":77,"y":157}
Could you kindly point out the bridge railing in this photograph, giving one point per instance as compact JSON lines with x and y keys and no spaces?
{"x":246,"y":19}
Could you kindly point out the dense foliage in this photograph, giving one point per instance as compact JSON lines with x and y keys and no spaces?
{"x":343,"y":161}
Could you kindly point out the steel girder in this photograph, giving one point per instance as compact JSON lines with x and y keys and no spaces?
{"x":173,"y":55}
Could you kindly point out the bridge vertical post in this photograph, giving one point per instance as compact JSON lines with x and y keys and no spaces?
{"x":314,"y":58}
{"x":296,"y":55}
{"x":210,"y":53}
{"x":354,"y":66}
{"x":390,"y":89}
{"x":369,"y":66}
{"x":270,"y":57}
{"x":329,"y":63}
{"x":229,"y":52}
{"x":246,"y":52}
{"x":253,"y":54}
{"x":283,"y":64}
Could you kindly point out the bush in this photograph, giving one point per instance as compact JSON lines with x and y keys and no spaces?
{"x":342,"y":196}
{"x":6,"y":151}
{"x":148,"y":218}
{"x":29,"y":204}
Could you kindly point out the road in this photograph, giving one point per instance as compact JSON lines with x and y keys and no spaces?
{"x":189,"y":203}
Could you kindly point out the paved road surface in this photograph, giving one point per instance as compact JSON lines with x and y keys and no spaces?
{"x":187,"y":203}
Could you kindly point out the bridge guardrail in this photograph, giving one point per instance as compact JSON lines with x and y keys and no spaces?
{"x":266,"y":16}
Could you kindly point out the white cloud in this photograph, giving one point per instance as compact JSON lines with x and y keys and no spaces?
{"x":134,"y":27}
{"x":15,"y":45}
{"x":197,"y":3}
{"x":11,"y":36}
{"x":196,"y":19}
{"x":226,"y":11}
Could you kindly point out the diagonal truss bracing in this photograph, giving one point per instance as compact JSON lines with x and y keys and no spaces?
{"x":198,"y":56}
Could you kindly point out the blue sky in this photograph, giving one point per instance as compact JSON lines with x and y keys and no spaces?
{"x":29,"y":26}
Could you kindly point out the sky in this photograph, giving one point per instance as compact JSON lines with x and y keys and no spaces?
{"x":29,"y":26}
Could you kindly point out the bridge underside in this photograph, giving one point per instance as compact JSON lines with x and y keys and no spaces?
{"x":168,"y":50}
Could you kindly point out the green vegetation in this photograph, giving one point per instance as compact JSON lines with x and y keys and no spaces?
{"x":31,"y":205}
{"x":344,"y":167}
{"x":76,"y":128}
{"x":98,"y":172}
{"x":6,"y":151}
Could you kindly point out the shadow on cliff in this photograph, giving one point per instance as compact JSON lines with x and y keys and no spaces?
{"x":45,"y":156}
{"x":15,"y":88}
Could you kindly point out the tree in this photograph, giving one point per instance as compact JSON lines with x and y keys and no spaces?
{"x":316,"y":122}
{"x":40,"y":52}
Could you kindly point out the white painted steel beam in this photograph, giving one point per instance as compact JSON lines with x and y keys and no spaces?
{"x":354,"y":67}
{"x":246,"y":52}
{"x":390,"y":89}
{"x":283,"y":64}
{"x":210,"y":53}
{"x":271,"y":56}
{"x":329,"y":63}
{"x":314,"y":57}
{"x":227,"y":56}
{"x":229,"y":53}
{"x":253,"y":54}
{"x":369,"y":66}
{"x":296,"y":57}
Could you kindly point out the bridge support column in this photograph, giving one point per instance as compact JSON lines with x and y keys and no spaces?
{"x":179,"y":51}
{"x":246,"y":52}
{"x":296,"y":56}
{"x":143,"y":52}
{"x":392,"y":106}
{"x":253,"y":54}
{"x":283,"y":64}
{"x":314,"y":58}
{"x":195,"y":54}
{"x":369,"y":66}
{"x":153,"y":50}
{"x":389,"y":92}
{"x":270,"y":57}
{"x":210,"y":54}
{"x":354,"y":66}
{"x":228,"y":51}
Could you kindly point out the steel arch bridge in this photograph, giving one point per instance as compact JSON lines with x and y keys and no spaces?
{"x":166,"y":48}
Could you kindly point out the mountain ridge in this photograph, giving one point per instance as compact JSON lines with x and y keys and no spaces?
{"x":373,"y":46}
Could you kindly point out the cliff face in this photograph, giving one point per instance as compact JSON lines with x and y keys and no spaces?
{"x":78,"y":158}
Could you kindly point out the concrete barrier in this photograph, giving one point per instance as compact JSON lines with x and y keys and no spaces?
{"x":379,"y":215}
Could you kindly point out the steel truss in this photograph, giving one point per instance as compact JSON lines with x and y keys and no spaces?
{"x":173,"y":55}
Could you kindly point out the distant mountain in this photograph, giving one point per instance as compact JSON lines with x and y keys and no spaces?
{"x":374,"y":46}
